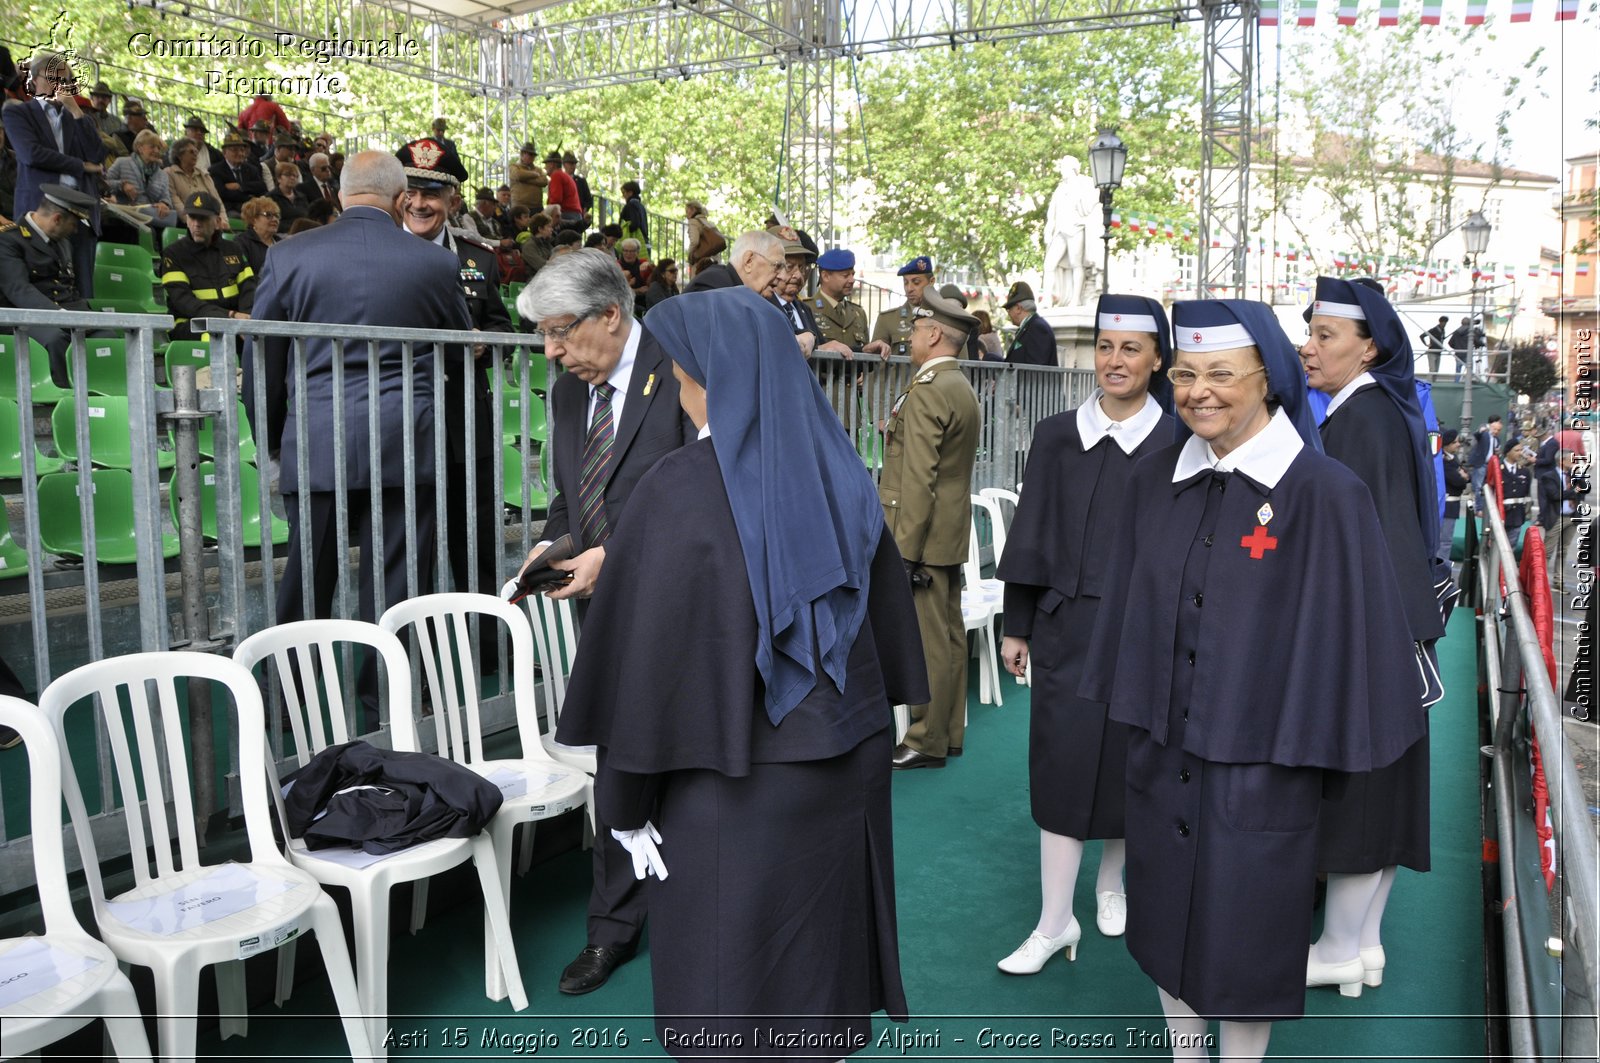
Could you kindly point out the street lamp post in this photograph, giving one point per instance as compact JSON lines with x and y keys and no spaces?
{"x":1475,"y":234}
{"x":1108,"y":156}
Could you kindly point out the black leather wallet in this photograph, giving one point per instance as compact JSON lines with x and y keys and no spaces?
{"x":539,"y":576}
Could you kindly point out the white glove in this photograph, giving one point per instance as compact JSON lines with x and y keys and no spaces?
{"x":641,"y":845}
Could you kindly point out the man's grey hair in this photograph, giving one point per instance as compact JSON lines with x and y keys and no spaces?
{"x":760,"y":241}
{"x":628,"y":243}
{"x":1029,"y":305}
{"x":372,"y":173}
{"x":955,"y":338}
{"x":320,"y":157}
{"x":583,"y":284}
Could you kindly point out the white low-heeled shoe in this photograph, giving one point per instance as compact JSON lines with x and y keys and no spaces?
{"x":1111,"y":913}
{"x":1372,"y":961}
{"x":1347,"y":975}
{"x":1032,"y":954}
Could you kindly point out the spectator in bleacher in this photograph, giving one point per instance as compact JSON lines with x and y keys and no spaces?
{"x":261,"y":219}
{"x":283,"y":150}
{"x":109,"y":125}
{"x":135,"y":123}
{"x":203,"y":274}
{"x":482,"y":216}
{"x":702,"y":239}
{"x":540,"y":244}
{"x":195,"y":130}
{"x":502,"y":205}
{"x":321,"y":187}
{"x":528,"y":179}
{"x":569,"y":164}
{"x":595,"y":241}
{"x":753,"y":261}
{"x":563,"y":192}
{"x":238,"y":180}
{"x":57,"y":143}
{"x":266,"y":110}
{"x":635,"y":221}
{"x":663,"y":283}
{"x":610,"y":235}
{"x":336,"y":161}
{"x":565,"y":242}
{"x":186,"y":177}
{"x":37,"y":270}
{"x":286,"y":193}
{"x":636,"y":267}
{"x":304,"y":225}
{"x":139,"y":180}
{"x":452,"y":158}
{"x":261,"y":142}
{"x":8,"y":177}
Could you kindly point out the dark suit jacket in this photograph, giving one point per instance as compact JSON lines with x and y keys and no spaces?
{"x":250,"y":184}
{"x":479,"y":282}
{"x":360,"y":270}
{"x":652,"y":426}
{"x":808,"y":319}
{"x":1034,"y":344}
{"x":39,"y":163}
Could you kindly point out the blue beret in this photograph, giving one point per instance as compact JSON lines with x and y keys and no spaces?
{"x":920,"y":264}
{"x":838,"y":259}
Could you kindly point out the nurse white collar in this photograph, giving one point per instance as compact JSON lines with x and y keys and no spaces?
{"x":1094,"y":425}
{"x":1345,"y":392}
{"x":1264,"y":457}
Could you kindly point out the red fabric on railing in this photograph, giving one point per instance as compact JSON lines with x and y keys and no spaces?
{"x":1531,"y":573}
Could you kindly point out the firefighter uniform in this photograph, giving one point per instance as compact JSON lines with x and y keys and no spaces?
{"x":213,"y":279}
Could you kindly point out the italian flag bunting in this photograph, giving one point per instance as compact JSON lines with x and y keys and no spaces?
{"x":1477,"y":10}
{"x":1307,"y":13}
{"x":1583,"y":269}
{"x":1521,"y":10}
{"x":1116,"y":219}
{"x":1269,"y":12}
{"x":1388,"y":12}
{"x":1431,"y":11}
{"x":1566,"y":9}
{"x":1347,"y":12}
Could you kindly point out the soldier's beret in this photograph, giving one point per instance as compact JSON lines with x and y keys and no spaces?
{"x":837,"y":260}
{"x":920,"y":264}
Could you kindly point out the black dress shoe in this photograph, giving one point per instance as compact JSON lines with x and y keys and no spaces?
{"x":905,"y":758}
{"x":592,"y":967}
{"x":953,"y":751}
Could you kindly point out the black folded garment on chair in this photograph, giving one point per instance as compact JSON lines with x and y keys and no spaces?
{"x":539,"y":576}
{"x":384,"y":801}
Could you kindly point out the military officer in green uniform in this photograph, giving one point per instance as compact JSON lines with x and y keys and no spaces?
{"x":203,"y":274}
{"x":841,"y":320}
{"x":930,"y":445}
{"x":36,"y":270}
{"x":893,"y":327}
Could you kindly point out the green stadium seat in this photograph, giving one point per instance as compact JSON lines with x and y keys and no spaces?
{"x":11,"y":445}
{"x":61,"y":528}
{"x":44,"y":391}
{"x":515,"y":480}
{"x":247,"y":439}
{"x":249,"y":488}
{"x":147,"y":240}
{"x":125,"y":291}
{"x":172,"y":234}
{"x":110,"y":438}
{"x":128,"y":257}
{"x":186,"y":352}
{"x":13,"y":558}
{"x":511,"y":417}
{"x":107,"y":362}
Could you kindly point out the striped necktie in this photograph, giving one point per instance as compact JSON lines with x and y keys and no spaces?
{"x":596,"y":470}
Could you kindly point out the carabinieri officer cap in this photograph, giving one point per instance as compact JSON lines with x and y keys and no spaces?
{"x":69,"y":199}
{"x":421,"y":159}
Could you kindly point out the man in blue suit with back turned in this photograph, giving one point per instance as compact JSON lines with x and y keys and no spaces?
{"x":360,"y":270}
{"x":56,"y":143}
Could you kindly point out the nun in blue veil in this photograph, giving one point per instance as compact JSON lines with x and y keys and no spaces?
{"x":1359,"y":355}
{"x":737,"y":670}
{"x":1054,"y":570}
{"x":1251,"y":637}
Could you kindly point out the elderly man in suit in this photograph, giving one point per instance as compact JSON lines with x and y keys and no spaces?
{"x":403,"y":282}
{"x":614,"y":414}
{"x":56,"y":143}
{"x":930,"y":446}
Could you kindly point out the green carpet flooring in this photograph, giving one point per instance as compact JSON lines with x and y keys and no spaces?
{"x":968,"y":891}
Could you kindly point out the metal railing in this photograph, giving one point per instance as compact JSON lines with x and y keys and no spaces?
{"x":1523,"y":703}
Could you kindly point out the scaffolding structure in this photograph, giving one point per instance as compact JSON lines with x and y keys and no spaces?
{"x":524,"y":49}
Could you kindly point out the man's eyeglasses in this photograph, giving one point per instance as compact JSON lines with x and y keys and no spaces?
{"x":561,"y":332}
{"x":1217,"y":378}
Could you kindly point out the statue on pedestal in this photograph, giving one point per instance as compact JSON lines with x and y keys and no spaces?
{"x":1066,"y":236}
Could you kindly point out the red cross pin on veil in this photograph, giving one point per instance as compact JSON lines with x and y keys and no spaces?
{"x":1258,"y":542}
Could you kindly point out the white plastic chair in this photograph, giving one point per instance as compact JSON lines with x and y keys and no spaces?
{"x":1000,"y":519}
{"x":265,"y":903}
{"x":536,"y":786}
{"x":556,"y":644}
{"x":315,"y":725}
{"x":74,"y":979}
{"x":981,"y":602}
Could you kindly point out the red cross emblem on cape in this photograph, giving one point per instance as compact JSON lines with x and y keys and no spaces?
{"x":1258,"y":542}
{"x":1198,"y":337}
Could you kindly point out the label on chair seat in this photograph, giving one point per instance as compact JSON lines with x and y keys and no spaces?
{"x":224,"y":890}
{"x":270,"y":940}
{"x":35,"y":966}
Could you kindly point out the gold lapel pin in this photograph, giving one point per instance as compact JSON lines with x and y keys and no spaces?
{"x":648,"y":384}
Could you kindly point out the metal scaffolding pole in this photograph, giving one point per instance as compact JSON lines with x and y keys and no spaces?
{"x":1230,"y":38}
